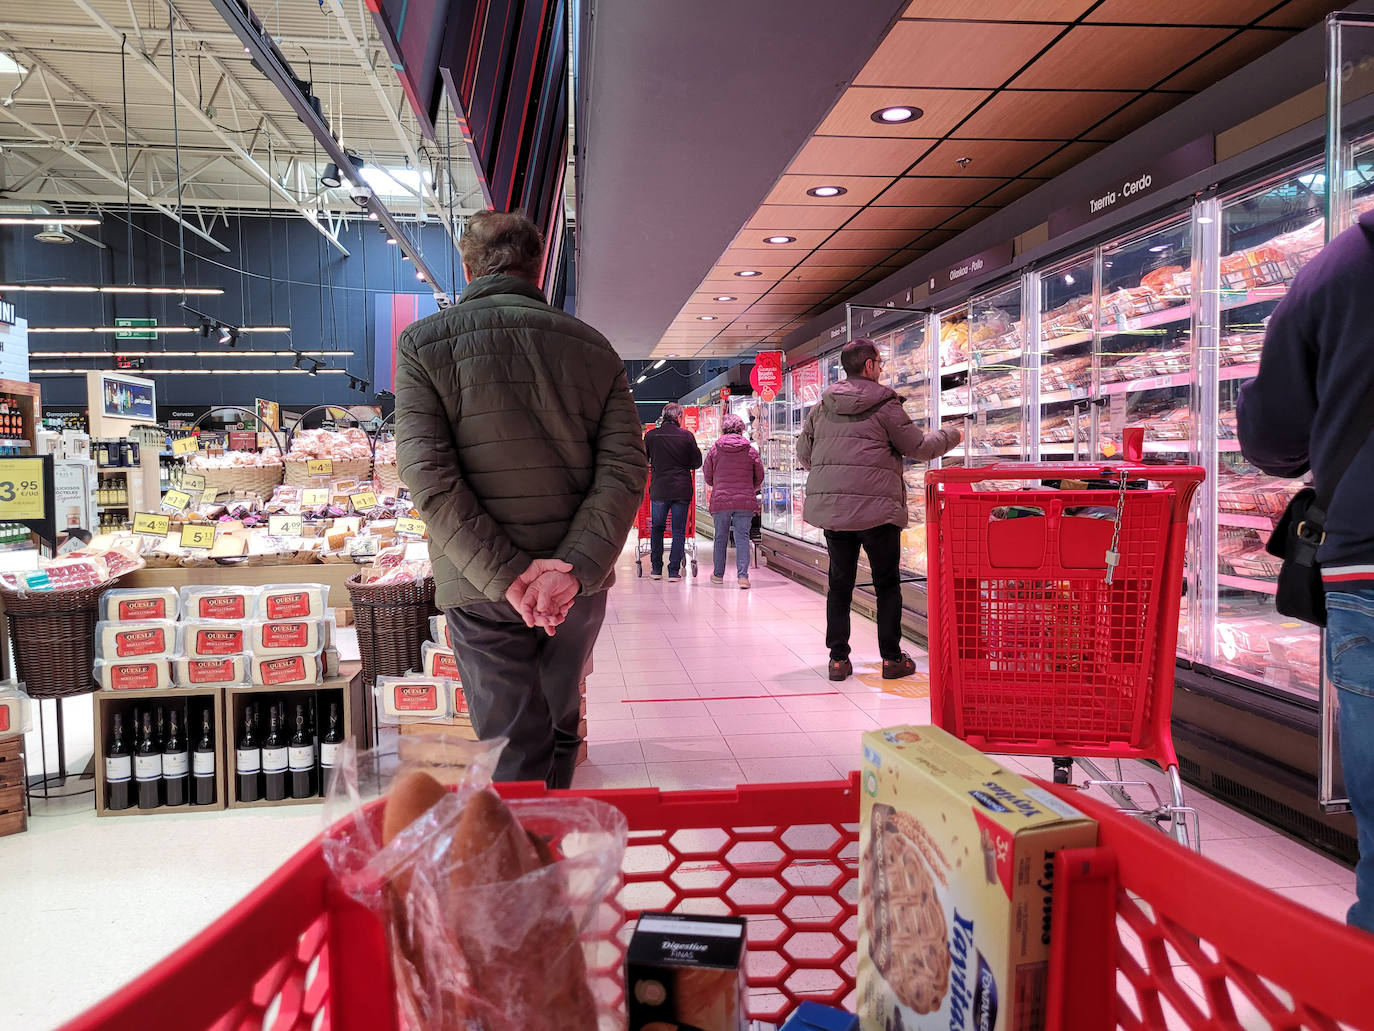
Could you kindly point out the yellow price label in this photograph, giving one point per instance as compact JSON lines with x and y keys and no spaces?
{"x":192,"y":481}
{"x":149,"y":525}
{"x":284,"y":525}
{"x":363,"y":501}
{"x":198,"y":535}
{"x":21,"y":488}
{"x":176,"y":501}
{"x":186,"y":446}
{"x":320,"y":467}
{"x":315,"y":497}
{"x":411,"y":527}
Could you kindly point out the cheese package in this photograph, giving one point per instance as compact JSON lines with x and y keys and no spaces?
{"x":292,"y":601}
{"x":140,"y":603}
{"x":218,"y":602}
{"x":16,"y":713}
{"x":438,"y":632}
{"x":439,"y":662}
{"x":956,"y":866}
{"x":407,"y":698}
{"x":133,"y":674}
{"x":300,"y":670}
{"x":147,"y":638}
{"x":285,"y":636}
{"x":212,"y":638}
{"x":219,"y":671}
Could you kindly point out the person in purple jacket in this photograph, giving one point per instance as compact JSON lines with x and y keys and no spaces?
{"x":734,"y":474}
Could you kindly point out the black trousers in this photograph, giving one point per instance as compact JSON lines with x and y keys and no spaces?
{"x":883,"y":545}
{"x":521,"y":684}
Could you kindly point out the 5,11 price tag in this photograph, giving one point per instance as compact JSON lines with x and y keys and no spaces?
{"x":176,"y":501}
{"x":284,"y":525}
{"x":186,"y":446}
{"x":200,"y":536}
{"x":147,"y":524}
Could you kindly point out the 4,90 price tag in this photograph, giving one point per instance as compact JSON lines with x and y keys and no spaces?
{"x":411,"y":527}
{"x":320,"y":467}
{"x":198,"y":535}
{"x":176,"y":501}
{"x":21,"y":488}
{"x":147,"y":524}
{"x":186,"y":446}
{"x":284,"y":525}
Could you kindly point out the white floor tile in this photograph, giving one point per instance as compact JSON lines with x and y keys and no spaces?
{"x":695,"y":774}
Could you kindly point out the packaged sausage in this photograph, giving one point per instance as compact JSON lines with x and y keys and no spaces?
{"x":285,"y":636}
{"x":140,"y":603}
{"x":439,"y":662}
{"x":133,"y":674}
{"x":132,"y":639}
{"x":406,"y":698}
{"x":292,"y":601}
{"x":219,"y":671}
{"x":299,"y":670}
{"x":438,"y":631}
{"x":218,"y":602}
{"x":213,"y":638}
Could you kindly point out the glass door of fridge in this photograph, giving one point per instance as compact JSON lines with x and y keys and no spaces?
{"x":1067,"y":323}
{"x":807,"y":383}
{"x":955,"y":381}
{"x":778,"y":450}
{"x":906,"y":369}
{"x":997,"y":377}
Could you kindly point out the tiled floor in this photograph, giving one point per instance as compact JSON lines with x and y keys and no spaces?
{"x":695,"y":686}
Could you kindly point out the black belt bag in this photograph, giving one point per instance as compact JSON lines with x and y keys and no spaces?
{"x":1299,"y":533}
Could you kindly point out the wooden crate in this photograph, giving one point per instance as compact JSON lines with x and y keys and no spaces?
{"x":13,"y":786}
{"x":346,"y":689}
{"x":107,"y":703}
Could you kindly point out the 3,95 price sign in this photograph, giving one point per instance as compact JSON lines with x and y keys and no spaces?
{"x":21,"y":488}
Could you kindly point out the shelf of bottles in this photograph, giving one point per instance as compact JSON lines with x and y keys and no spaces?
{"x":283,"y":743}
{"x":162,"y":751}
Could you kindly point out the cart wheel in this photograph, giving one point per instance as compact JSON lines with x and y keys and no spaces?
{"x":1063,"y":771}
{"x":639,"y":568}
{"x":694,"y":567}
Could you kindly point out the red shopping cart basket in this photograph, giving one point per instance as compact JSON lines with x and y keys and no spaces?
{"x":1034,"y":649}
{"x":644,"y":528}
{"x":1145,"y":934}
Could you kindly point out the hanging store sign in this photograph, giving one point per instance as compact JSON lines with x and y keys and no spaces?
{"x":806,"y":383}
{"x":1150,"y":177}
{"x":7,"y":313}
{"x":766,"y":378}
{"x":984,"y":261}
{"x":691,"y":418}
{"x":136,"y":329}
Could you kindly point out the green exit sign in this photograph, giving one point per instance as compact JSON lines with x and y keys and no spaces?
{"x":136,"y":330}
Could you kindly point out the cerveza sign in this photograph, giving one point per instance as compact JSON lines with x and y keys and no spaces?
{"x":1140,"y":182}
{"x":984,"y":261}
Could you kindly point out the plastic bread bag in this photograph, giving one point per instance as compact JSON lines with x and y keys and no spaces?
{"x":496,"y":912}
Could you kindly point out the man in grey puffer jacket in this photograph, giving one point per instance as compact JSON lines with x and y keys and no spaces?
{"x":852,"y":445}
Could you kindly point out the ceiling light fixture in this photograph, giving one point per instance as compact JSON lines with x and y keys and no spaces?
{"x":195,"y":372}
{"x":420,"y":276}
{"x":779,"y":239}
{"x":372,"y":216}
{"x":641,"y":379}
{"x":826,"y":191}
{"x":706,"y":318}
{"x":726,"y":297}
{"x":390,"y":239}
{"x":331,"y":177}
{"x":72,"y":288}
{"x":896,"y":115}
{"x":49,"y":220}
{"x":1068,"y":278}
{"x":659,"y":364}
{"x":746,"y":273}
{"x":1204,"y":220}
{"x":1158,"y":248}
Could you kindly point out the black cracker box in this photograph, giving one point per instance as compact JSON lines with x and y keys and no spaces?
{"x":686,"y":973}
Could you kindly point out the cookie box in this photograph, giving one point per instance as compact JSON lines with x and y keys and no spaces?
{"x":683,"y":970}
{"x":956,"y":861}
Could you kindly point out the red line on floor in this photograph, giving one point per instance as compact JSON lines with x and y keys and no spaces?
{"x":730,"y":697}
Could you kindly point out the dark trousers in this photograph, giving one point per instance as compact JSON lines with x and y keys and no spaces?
{"x":883,"y":545}
{"x":658,"y":522}
{"x":521,"y":684}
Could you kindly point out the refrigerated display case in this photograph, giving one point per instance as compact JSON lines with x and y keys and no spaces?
{"x":1064,"y":365}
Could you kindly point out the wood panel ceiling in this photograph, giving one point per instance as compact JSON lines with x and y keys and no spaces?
{"x":1010,"y":93}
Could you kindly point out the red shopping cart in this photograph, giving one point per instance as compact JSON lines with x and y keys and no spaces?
{"x":1147,"y":935}
{"x":1054,"y":615}
{"x":644,"y":529}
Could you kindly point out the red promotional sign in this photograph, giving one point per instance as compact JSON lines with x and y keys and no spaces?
{"x":767,"y":375}
{"x":806,"y":383}
{"x":691,"y":418}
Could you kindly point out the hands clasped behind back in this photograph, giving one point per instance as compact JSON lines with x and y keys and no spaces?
{"x":544,"y":593}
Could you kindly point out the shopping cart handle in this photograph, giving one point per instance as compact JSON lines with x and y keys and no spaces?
{"x":1180,"y":474}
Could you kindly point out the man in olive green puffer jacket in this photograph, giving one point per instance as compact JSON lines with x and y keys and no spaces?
{"x":519,"y":440}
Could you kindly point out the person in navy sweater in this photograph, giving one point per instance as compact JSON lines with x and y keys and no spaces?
{"x":1315,"y":384}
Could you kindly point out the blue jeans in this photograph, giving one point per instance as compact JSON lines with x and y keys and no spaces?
{"x":658,"y":520}
{"x":1350,"y":668}
{"x":739,"y":519}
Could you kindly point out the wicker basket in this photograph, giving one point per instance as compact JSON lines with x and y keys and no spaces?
{"x":393,"y":625}
{"x":297,"y":474}
{"x":258,"y":481}
{"x":53,"y":634}
{"x":388,"y":477}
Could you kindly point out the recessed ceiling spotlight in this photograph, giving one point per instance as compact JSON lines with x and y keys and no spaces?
{"x":826,"y":191}
{"x":746,"y":273}
{"x":896,"y":115}
{"x":1157,"y":248}
{"x":725,"y":297}
{"x":706,"y":318}
{"x":779,"y":239}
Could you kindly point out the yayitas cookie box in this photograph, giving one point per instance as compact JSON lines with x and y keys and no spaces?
{"x":956,"y":860}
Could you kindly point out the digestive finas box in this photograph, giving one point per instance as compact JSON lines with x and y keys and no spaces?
{"x":683,"y":970}
{"x":956,"y":862}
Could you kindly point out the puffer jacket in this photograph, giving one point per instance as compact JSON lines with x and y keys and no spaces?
{"x":518,"y":437}
{"x":673,"y":456}
{"x":734,"y":473}
{"x":853,"y":444}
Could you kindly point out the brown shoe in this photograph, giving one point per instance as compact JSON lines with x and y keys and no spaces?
{"x":902,"y":668}
{"x":841,"y":669}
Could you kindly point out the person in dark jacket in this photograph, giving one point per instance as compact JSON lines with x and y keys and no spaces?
{"x":853,"y":444}
{"x":519,"y":440}
{"x":673,"y":457}
{"x":734,"y":473}
{"x":1313,"y":394}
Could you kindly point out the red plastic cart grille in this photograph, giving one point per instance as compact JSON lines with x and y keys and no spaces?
{"x":1038,"y":647}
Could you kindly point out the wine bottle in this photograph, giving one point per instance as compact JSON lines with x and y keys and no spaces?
{"x":119,"y":768}
{"x":176,"y":763}
{"x":148,"y":766}
{"x":329,"y":747}
{"x":274,"y":759}
{"x":248,"y":760}
{"x":301,"y":759}
{"x":203,"y":765}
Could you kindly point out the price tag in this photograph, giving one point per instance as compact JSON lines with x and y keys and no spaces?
{"x":320,"y":467}
{"x":148,"y":525}
{"x":315,"y":497}
{"x":363,"y":501}
{"x":192,"y":482}
{"x":185,"y":446}
{"x":198,"y":535}
{"x":284,"y":525}
{"x":1116,"y":413}
{"x":362,"y":547}
{"x":21,"y":488}
{"x":176,"y":501}
{"x":410,"y":527}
